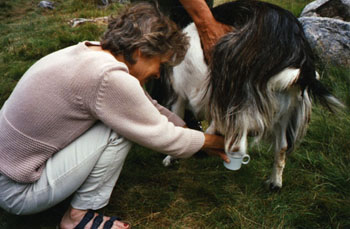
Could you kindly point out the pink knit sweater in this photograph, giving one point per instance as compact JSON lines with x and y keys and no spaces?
{"x":64,"y":94}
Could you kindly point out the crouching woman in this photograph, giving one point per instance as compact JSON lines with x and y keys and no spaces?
{"x":67,"y":126}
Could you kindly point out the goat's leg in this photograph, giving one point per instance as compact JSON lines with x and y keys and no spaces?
{"x":179,"y":109}
{"x":211,"y":129}
{"x":275,"y":181}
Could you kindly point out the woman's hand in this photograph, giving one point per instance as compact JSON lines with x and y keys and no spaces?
{"x":214,"y":145}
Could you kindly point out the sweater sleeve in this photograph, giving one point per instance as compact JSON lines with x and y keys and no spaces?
{"x":172,"y":117}
{"x":122,"y":104}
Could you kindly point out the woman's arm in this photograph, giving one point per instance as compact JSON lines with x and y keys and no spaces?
{"x":174,"y":118}
{"x":210,"y":31}
{"x":121,"y":104}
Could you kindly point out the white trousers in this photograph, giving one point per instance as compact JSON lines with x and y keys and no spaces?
{"x":89,"y":167}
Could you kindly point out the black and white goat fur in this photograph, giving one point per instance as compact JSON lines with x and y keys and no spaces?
{"x":258,"y":84}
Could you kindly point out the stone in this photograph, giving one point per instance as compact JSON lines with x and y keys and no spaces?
{"x":105,"y":3}
{"x":46,"y":5}
{"x":78,"y":21}
{"x":329,"y":38}
{"x":121,"y":1}
{"x":338,"y":9}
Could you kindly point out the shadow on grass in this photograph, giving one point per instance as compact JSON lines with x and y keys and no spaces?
{"x":48,"y":219}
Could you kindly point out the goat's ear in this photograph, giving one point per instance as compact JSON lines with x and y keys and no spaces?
{"x":284,"y":79}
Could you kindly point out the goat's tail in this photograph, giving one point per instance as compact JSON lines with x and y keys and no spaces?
{"x":320,"y":94}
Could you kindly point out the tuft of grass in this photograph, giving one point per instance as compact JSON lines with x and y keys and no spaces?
{"x":295,"y":6}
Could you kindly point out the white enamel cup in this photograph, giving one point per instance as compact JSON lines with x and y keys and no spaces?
{"x":236,"y":160}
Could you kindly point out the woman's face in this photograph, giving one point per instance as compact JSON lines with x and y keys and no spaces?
{"x":146,"y":67}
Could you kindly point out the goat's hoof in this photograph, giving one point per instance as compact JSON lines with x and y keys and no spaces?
{"x":168,"y":161}
{"x":273,"y":186}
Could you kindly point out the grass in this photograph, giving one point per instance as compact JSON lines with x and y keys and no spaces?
{"x":196,"y":192}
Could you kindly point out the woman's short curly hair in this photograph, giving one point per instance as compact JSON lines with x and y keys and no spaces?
{"x":143,"y":26}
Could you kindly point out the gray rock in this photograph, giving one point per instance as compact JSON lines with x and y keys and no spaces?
{"x":78,"y":21}
{"x":104,"y":2}
{"x":339,"y":9}
{"x":46,"y":5}
{"x":121,"y":1}
{"x":329,"y":38}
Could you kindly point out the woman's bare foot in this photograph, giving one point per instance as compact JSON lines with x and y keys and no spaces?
{"x":73,"y":216}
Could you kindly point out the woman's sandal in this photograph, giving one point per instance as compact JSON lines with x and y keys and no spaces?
{"x":97,"y":221}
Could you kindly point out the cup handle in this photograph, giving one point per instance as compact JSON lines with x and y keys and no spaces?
{"x":245,"y":159}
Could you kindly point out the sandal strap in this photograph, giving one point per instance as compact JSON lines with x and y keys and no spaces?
{"x":108,"y":224}
{"x":97,"y":221}
{"x":85,"y":220}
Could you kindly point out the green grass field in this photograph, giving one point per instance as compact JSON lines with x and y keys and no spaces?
{"x":196,"y":192}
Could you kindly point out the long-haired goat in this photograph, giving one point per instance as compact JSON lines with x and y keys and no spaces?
{"x":259,"y":83}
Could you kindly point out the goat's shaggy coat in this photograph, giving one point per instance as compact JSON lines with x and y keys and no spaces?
{"x":258,"y":82}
